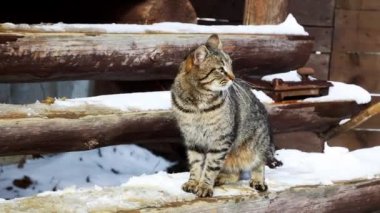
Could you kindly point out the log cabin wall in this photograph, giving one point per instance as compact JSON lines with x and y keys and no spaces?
{"x":335,"y":24}
{"x":356,"y":59}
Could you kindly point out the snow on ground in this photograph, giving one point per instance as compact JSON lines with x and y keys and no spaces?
{"x":289,"y":26}
{"x":299,"y":169}
{"x":108,"y":166}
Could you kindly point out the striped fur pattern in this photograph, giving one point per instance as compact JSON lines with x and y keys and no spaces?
{"x":225,"y":127}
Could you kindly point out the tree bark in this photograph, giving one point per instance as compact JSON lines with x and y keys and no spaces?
{"x":36,"y":129}
{"x":350,"y":196}
{"x":34,"y":56}
{"x":258,"y":12}
{"x":361,"y":196}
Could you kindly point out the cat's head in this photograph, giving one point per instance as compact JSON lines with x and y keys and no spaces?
{"x":210,"y":66}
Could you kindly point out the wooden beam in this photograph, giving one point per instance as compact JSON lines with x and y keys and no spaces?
{"x":36,"y":129}
{"x":354,"y":122}
{"x":348,"y":196}
{"x":361,"y":196}
{"x":32,"y":56}
{"x":265,"y":11}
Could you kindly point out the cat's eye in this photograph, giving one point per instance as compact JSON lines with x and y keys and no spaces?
{"x":222,"y":70}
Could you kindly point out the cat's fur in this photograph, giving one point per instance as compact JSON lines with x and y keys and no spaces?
{"x":225,"y":127}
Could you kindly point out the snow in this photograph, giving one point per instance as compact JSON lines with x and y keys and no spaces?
{"x":338,"y":92}
{"x":344,"y":121}
{"x":124,"y":102}
{"x":108,"y":166}
{"x":289,"y":27}
{"x":162,"y":101}
{"x":135,"y":101}
{"x":264,"y":98}
{"x":336,"y":164}
{"x":344,"y":92}
{"x":291,"y":76}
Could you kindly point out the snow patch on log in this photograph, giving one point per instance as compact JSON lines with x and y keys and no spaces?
{"x":289,"y":27}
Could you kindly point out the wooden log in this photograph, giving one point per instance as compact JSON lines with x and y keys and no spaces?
{"x":33,"y":129}
{"x":32,"y":56}
{"x":349,"y":196}
{"x":265,"y":11}
{"x":361,"y":196}
{"x":154,"y":11}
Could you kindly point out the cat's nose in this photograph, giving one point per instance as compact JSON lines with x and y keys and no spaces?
{"x":231,"y":76}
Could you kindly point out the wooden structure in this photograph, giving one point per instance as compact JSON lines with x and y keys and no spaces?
{"x":50,"y":129}
{"x":354,"y":196}
{"x":36,"y":129}
{"x":346,"y":47}
{"x":135,"y":57}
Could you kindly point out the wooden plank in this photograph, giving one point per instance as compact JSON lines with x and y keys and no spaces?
{"x":155,"y":11}
{"x":357,"y":68}
{"x":345,"y":196}
{"x":358,"y":4}
{"x":312,"y":12}
{"x":356,"y":139}
{"x":296,"y":140}
{"x":322,"y":37}
{"x":27,"y":56}
{"x":357,"y":31}
{"x":259,"y":12}
{"x":320,"y":63}
{"x":229,"y":10}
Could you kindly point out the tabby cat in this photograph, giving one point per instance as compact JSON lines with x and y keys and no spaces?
{"x":225,"y":127}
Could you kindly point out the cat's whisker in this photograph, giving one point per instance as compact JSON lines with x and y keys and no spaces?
{"x":239,"y":93}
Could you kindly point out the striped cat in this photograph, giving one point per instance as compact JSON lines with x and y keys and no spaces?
{"x":225,"y":127}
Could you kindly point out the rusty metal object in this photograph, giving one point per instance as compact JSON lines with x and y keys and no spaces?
{"x":280,"y":90}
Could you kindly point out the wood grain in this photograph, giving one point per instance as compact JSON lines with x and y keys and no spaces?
{"x":49,"y":129}
{"x":362,"y":69}
{"x":132,"y":57}
{"x":361,"y":196}
{"x":358,"y":4}
{"x":260,"y":12}
{"x":320,"y":64}
{"x":312,"y":12}
{"x":357,"y":31}
{"x":323,"y":38}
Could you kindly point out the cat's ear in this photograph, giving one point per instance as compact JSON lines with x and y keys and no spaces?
{"x":214,"y":42}
{"x":200,"y":54}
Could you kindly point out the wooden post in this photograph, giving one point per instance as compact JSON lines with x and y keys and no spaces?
{"x":258,"y":12}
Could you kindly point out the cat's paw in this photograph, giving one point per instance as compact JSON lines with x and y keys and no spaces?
{"x":225,"y":178}
{"x":190,"y":186}
{"x":261,"y":187}
{"x":204,"y":190}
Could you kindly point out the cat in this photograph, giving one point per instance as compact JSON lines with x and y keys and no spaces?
{"x":224,"y":126}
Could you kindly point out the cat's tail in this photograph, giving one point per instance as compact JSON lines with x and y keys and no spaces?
{"x":272,"y":162}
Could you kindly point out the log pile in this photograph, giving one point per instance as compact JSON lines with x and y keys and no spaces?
{"x":27,"y":56}
{"x":36,"y":129}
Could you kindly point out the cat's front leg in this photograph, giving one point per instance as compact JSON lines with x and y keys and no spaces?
{"x":213,"y":164}
{"x":196,"y":160}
